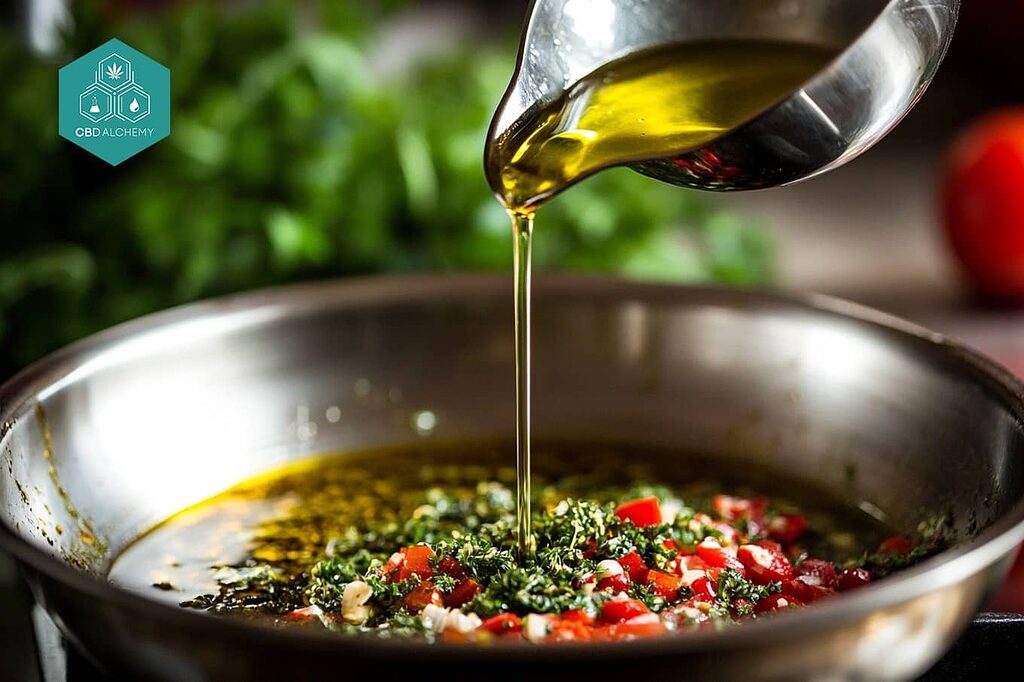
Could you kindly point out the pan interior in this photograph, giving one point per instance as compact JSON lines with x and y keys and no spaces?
{"x":108,"y":440}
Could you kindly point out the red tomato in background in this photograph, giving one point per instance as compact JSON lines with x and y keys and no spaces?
{"x":1011,"y":595}
{"x":983,"y":203}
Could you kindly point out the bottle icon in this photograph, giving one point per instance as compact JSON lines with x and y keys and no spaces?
{"x":95,"y":108}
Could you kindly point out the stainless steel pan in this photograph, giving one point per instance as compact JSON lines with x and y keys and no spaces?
{"x":160,"y":413}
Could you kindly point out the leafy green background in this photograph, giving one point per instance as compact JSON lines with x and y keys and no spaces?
{"x":291,"y":158}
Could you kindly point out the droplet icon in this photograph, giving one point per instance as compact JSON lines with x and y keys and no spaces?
{"x":134,"y":106}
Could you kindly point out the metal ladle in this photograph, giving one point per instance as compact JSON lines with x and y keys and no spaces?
{"x":887,"y":53}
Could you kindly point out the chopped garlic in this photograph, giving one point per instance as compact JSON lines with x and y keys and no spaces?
{"x":461,"y":622}
{"x":434,"y":617}
{"x":691,"y":575}
{"x":760,"y":555}
{"x":439,"y":619}
{"x":536,"y":627}
{"x":670,"y":508}
{"x":353,"y":602}
{"x":609,"y":568}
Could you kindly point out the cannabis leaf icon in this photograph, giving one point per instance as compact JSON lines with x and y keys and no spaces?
{"x":114,"y":72}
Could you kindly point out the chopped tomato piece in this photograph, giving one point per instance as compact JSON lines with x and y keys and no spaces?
{"x":764,"y":564}
{"x":704,"y":590}
{"x":462,"y":594}
{"x":852,"y":578}
{"x":578,"y":615}
{"x":733,"y":508}
{"x":664,"y":584}
{"x":670,"y":545}
{"x":621,"y":610}
{"x":712,"y":552}
{"x":503,"y":623}
{"x":642,"y":512}
{"x":634,"y":565}
{"x":615,"y":583}
{"x":642,"y":626}
{"x":451,"y":566}
{"x":817,"y":572}
{"x":417,"y":562}
{"x":787,"y":528}
{"x":776,"y":602}
{"x":421,"y":595}
{"x":897,"y":544}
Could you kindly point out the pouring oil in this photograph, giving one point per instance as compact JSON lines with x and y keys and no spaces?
{"x":649,"y":104}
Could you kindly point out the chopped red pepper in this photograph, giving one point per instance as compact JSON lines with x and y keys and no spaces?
{"x":462,"y":594}
{"x":451,"y":566}
{"x":621,"y":610}
{"x":503,"y":623}
{"x":712,"y":552}
{"x":615,"y":583}
{"x":634,"y":565}
{"x":704,"y":590}
{"x":417,"y":562}
{"x":664,"y":584}
{"x":421,"y":595}
{"x":642,"y":512}
{"x":764,"y":564}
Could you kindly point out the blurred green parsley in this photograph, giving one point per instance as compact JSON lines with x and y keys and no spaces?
{"x":292,"y":158}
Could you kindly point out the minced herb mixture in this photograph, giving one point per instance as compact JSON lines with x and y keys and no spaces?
{"x":617,"y":563}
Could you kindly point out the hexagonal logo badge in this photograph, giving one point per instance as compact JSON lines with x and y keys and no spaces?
{"x":114,"y":102}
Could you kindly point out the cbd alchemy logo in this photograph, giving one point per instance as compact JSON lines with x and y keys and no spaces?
{"x":114,"y":102}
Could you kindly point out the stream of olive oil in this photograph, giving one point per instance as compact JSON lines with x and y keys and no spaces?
{"x":646,"y":105}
